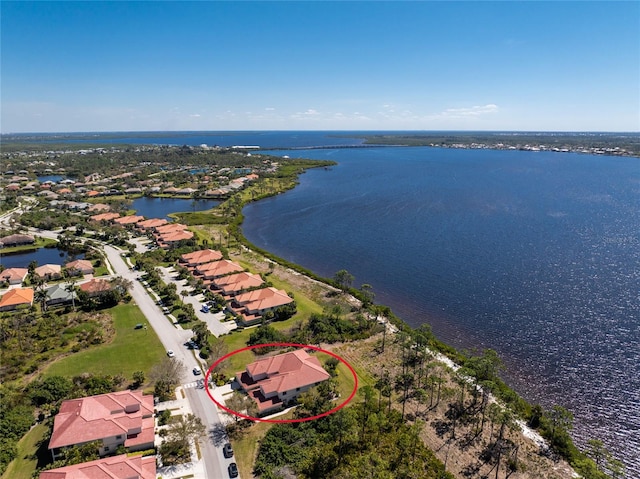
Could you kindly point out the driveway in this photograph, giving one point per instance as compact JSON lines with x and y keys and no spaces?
{"x":214,"y":321}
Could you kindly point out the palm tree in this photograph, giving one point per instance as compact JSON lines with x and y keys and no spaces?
{"x":41,"y":295}
{"x":70,"y":287}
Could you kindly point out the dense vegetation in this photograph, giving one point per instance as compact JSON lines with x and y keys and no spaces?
{"x":363,"y":441}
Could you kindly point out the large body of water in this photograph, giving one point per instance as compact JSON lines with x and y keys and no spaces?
{"x":533,"y":254}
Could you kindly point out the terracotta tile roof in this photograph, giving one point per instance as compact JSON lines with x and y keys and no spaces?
{"x":218,"y":268}
{"x":95,"y":286}
{"x":263,"y":299}
{"x":16,"y":297}
{"x":285,"y":372}
{"x":174,"y":236}
{"x":171,"y":227}
{"x":14,"y":275}
{"x":151,"y":223}
{"x":238,"y":282}
{"x":99,"y":207}
{"x":105,"y":217}
{"x":116,"y":467}
{"x":81,"y":265}
{"x":128,"y":220}
{"x":201,"y":256}
{"x":97,"y":417}
{"x":48,"y":270}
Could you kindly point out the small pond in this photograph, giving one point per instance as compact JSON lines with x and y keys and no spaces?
{"x":41,"y":255}
{"x":54,"y":178}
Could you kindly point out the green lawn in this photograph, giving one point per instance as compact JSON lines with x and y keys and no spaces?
{"x":25,"y":463}
{"x":131,"y":349}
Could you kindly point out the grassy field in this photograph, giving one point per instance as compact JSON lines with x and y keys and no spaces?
{"x":25,"y":463}
{"x":131,"y":349}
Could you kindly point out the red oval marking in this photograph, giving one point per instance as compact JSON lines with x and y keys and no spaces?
{"x":305,"y":346}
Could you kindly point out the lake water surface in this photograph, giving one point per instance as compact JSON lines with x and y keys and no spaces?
{"x":161,"y":207}
{"x":533,"y":254}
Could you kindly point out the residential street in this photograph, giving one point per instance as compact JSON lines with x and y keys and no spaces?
{"x":173,"y":337}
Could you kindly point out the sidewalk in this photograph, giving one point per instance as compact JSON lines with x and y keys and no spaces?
{"x":193,"y":469}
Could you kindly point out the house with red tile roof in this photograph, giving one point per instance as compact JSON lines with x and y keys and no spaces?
{"x":200,"y":257}
{"x":128,"y":220}
{"x":99,"y":207}
{"x":123,"y":418}
{"x":151,"y":224}
{"x":79,"y":266}
{"x":251,"y":306}
{"x":116,"y":467}
{"x":170,"y":228}
{"x":49,"y":271}
{"x":168,"y":240}
{"x":104,"y":217}
{"x":14,"y":298}
{"x":234,"y":284}
{"x":275,"y":381}
{"x":216,"y":269}
{"x":95,"y":287}
{"x":14,"y":275}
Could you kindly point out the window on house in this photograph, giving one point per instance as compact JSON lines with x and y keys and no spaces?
{"x":106,"y":448}
{"x":284,"y":393}
{"x":119,"y":436}
{"x":297,"y":389}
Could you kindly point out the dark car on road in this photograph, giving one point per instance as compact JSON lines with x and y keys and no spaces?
{"x":233,"y":470}
{"x":227,"y":450}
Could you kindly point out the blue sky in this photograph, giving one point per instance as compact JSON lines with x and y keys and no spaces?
{"x":126,"y":66}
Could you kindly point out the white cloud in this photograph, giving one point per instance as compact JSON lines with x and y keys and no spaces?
{"x":470,"y":112}
{"x":195,"y":115}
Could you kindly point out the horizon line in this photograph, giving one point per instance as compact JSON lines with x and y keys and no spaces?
{"x":98,"y":132}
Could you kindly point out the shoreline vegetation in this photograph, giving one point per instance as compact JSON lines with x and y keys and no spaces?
{"x":479,"y":371}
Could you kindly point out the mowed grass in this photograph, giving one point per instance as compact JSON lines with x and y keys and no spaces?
{"x":26,"y":461}
{"x":131,"y":349}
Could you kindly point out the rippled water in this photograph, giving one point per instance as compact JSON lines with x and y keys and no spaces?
{"x":536,"y":255}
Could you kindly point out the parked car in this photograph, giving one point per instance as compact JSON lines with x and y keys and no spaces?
{"x":227,"y":450}
{"x":171,"y":354}
{"x":233,"y":470}
{"x":139,"y":326}
{"x":197,"y":371}
{"x":165,"y":310}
